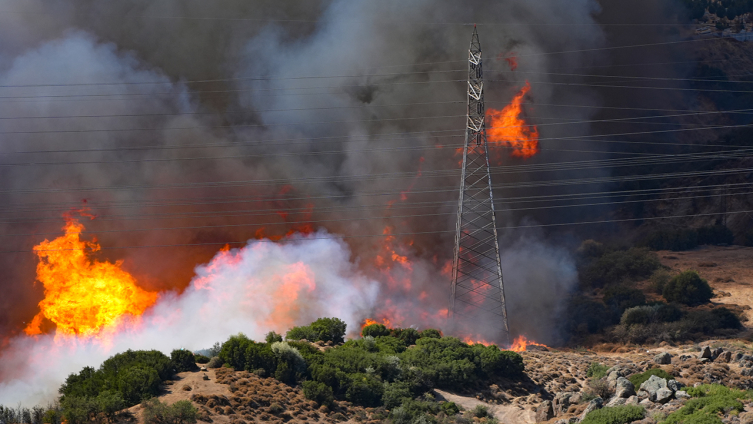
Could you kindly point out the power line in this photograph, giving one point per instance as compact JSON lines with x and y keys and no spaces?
{"x":311,"y":238}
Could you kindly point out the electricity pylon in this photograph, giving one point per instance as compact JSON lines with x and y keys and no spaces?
{"x":478,"y":290}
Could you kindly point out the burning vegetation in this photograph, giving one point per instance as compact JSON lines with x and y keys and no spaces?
{"x":507,"y":128}
{"x":83,"y":295}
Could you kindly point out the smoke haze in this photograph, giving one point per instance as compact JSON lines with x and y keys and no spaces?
{"x":201,"y":131}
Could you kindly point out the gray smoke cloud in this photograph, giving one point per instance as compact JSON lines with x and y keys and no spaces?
{"x":342,"y":150}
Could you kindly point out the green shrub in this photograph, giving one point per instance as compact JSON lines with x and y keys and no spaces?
{"x":617,"y":415}
{"x":623,"y":297}
{"x":318,"y":392}
{"x":181,"y":412}
{"x":708,"y":321}
{"x":183,"y":360}
{"x":709,"y":401}
{"x":242,"y":353}
{"x":414,"y":412}
{"x":668,"y":313}
{"x":375,"y":330}
{"x":431,"y":333}
{"x":585,"y":316}
{"x":272,"y":337}
{"x":688,"y":288}
{"x":78,"y":409}
{"x":449,"y":408}
{"x":201,"y":359}
{"x":134,"y":375}
{"x":214,"y":362}
{"x":617,"y":266}
{"x":671,"y":239}
{"x":638,"y":379}
{"x":659,"y":279}
{"x":109,"y":403}
{"x":304,"y":332}
{"x":329,"y":329}
{"x":591,"y":249}
{"x":396,"y":394}
{"x":480,"y":411}
{"x":596,"y":370}
{"x":408,"y":336}
{"x":365,"y":390}
{"x":715,"y":235}
{"x":638,"y":315}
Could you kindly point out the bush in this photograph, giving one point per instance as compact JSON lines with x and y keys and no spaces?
{"x":480,"y":411}
{"x":134,"y":375}
{"x":709,"y":321}
{"x":642,"y":315}
{"x":591,"y":249}
{"x":715,"y":235}
{"x":375,"y":330}
{"x":709,"y":401}
{"x":181,"y":412}
{"x":671,"y":239}
{"x":396,"y":394}
{"x":183,"y":360}
{"x":584,"y":316}
{"x":600,"y":387}
{"x":596,"y":370}
{"x":201,"y":359}
{"x":623,"y":297}
{"x":329,"y":329}
{"x":688,"y":288}
{"x":272,"y":337}
{"x":659,"y":279}
{"x":408,"y":336}
{"x":617,"y":415}
{"x":617,"y":266}
{"x":242,"y":353}
{"x":365,"y":390}
{"x":304,"y":332}
{"x":215,"y":362}
{"x":431,"y":333}
{"x":638,"y":379}
{"x":449,"y":408}
{"x":318,"y":392}
{"x":414,"y":412}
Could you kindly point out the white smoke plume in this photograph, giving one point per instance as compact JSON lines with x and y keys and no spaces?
{"x":261,"y":287}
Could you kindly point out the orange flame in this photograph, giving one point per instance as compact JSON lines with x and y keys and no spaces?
{"x":521,"y":343}
{"x":368,"y":321}
{"x":505,"y":127}
{"x":83,"y":295}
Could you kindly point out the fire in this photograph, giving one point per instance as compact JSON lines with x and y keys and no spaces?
{"x":505,"y":127}
{"x":368,"y":321}
{"x":83,"y":295}
{"x":521,"y":343}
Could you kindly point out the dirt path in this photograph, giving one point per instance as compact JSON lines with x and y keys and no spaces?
{"x":506,"y":414}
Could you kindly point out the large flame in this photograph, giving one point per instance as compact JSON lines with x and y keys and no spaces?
{"x":506,"y":127}
{"x":83,"y":295}
{"x":521,"y":343}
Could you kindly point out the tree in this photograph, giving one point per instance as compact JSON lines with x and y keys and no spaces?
{"x":181,"y":412}
{"x":688,"y":288}
{"x":318,"y":392}
{"x":183,"y":360}
{"x":273,"y":337}
{"x":375,"y":330}
{"x":329,"y":329}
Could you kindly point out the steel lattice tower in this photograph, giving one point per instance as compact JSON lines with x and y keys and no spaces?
{"x":477,"y":285}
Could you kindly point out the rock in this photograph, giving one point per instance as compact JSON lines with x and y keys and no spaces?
{"x":624,"y":388}
{"x":646,"y":403}
{"x":632,"y":400}
{"x":682,"y":394}
{"x":562,"y":402}
{"x":705,"y":353}
{"x":544,"y":412}
{"x":205,"y":377}
{"x":663,"y":358}
{"x":674,"y":385}
{"x":615,"y":401}
{"x":716,"y":352}
{"x":593,"y":405}
{"x":664,"y":395}
{"x":738,"y":356}
{"x":653,"y":385}
{"x":203,"y":369}
{"x":746,"y":418}
{"x":746,"y":372}
{"x":685,"y":357}
{"x":725,"y":357}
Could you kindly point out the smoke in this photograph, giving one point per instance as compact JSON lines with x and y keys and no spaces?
{"x":202,"y":96}
{"x":261,"y":287}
